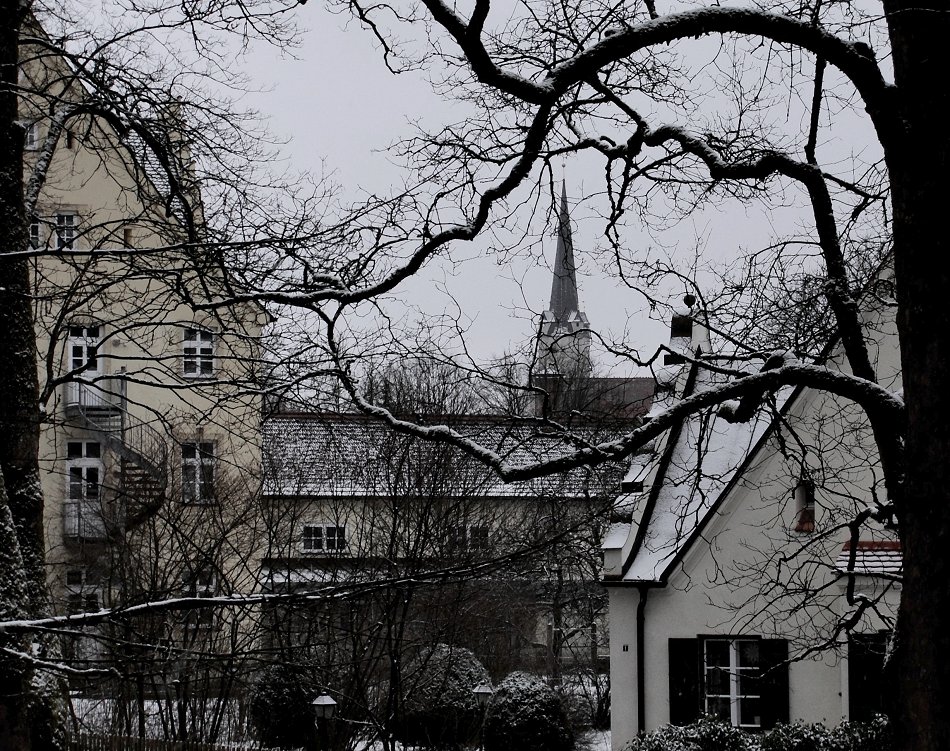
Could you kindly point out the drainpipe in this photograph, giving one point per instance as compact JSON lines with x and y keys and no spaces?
{"x":641,"y":668}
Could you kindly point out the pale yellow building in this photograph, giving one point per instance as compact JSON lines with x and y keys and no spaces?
{"x":149,"y":448}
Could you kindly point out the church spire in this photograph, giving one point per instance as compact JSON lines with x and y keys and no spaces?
{"x":564,"y":334}
{"x":564,"y":286}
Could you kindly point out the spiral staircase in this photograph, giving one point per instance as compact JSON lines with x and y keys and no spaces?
{"x":101,"y":408}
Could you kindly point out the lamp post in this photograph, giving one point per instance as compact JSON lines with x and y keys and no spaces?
{"x":323,"y":708}
{"x":483,"y":693}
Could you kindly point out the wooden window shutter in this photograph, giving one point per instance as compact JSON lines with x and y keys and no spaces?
{"x":868,"y":691}
{"x":685,"y":666}
{"x":773,"y":683}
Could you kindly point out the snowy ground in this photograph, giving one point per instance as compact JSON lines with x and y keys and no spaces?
{"x":595,"y":740}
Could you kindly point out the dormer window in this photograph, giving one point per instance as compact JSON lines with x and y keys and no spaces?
{"x":805,"y":507}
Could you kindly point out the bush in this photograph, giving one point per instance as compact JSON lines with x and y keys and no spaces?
{"x":527,"y":715}
{"x":713,"y":735}
{"x":848,"y":736}
{"x":280,"y":707}
{"x":439,"y":708}
{"x":704,"y":735}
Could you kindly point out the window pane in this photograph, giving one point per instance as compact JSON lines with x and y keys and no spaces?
{"x":207,"y":481}
{"x":75,"y":483}
{"x":717,"y":653}
{"x":748,"y":653}
{"x":74,"y":577}
{"x":92,"y":483}
{"x":750,"y":713}
{"x":748,"y":682}
{"x":188,"y":450}
{"x":74,"y":450}
{"x":718,"y":708}
{"x":93,"y":450}
{"x":188,"y":477}
{"x":717,"y":682}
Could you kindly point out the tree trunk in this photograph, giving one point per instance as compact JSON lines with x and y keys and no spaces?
{"x":919,"y":165}
{"x":39,"y":693}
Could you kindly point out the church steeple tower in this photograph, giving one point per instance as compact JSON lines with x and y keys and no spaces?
{"x":564,"y":334}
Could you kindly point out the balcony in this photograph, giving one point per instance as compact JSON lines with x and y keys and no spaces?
{"x":84,"y":520}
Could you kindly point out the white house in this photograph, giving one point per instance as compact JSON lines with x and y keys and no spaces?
{"x":736,"y":587}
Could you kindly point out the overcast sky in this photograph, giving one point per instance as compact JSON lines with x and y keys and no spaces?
{"x":340,"y":108}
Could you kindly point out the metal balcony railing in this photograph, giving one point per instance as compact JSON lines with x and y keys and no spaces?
{"x":84,"y":520}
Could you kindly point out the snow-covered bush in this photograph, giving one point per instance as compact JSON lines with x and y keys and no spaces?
{"x":704,"y":735}
{"x":848,"y":736}
{"x":526,"y":714}
{"x":713,"y":735}
{"x":280,"y":707}
{"x":439,"y":707}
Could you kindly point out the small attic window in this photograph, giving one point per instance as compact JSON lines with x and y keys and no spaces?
{"x":681,"y":327}
{"x":805,"y":507}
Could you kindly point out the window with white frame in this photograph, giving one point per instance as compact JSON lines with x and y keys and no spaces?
{"x":83,"y":347}
{"x":197,"y":353}
{"x":478,"y":537}
{"x":731,"y":673}
{"x":66,"y":230}
{"x":473,"y":537}
{"x":82,"y":353}
{"x":804,"y":507}
{"x":197,"y":471}
{"x":199,"y":582}
{"x":36,"y":235}
{"x":742,"y":680}
{"x":323,"y":538}
{"x":82,"y":595}
{"x":83,"y":516}
{"x":31,"y":135}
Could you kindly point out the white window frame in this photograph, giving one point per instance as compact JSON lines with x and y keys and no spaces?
{"x":738,"y":689}
{"x":323,"y":538}
{"x":81,"y":596}
{"x":67,"y":226}
{"x":85,"y":470}
{"x":84,"y":360}
{"x":198,"y":472}
{"x":805,"y":508}
{"x":31,"y":135}
{"x":200,"y":583}
{"x":35,"y":232}
{"x":479,"y":537}
{"x":469,"y":537}
{"x":197,"y":352}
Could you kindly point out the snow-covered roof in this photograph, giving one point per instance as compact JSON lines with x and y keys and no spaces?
{"x":699,"y":460}
{"x":872,"y":558}
{"x":326,"y":455}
